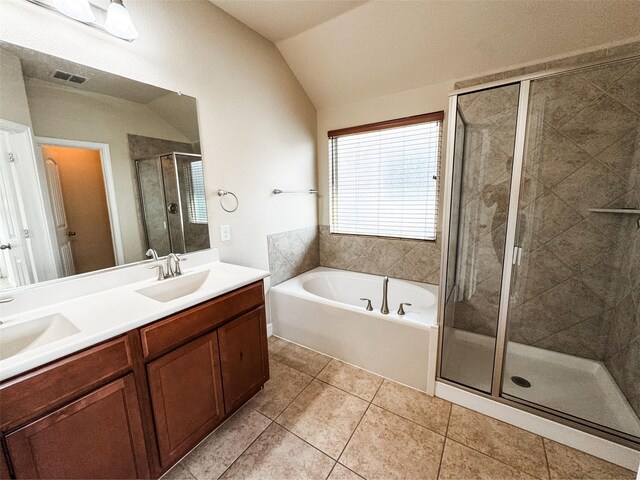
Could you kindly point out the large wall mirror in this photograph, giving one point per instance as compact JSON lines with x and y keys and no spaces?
{"x":95,"y":169}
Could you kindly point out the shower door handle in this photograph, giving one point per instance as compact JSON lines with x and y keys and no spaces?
{"x":517,"y":255}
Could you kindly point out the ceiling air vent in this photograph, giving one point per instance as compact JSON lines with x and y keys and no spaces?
{"x":68,"y":77}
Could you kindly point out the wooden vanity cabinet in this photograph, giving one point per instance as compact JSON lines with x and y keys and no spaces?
{"x":132,"y":406}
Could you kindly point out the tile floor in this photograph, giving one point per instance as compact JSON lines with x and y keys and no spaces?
{"x":319,"y":418}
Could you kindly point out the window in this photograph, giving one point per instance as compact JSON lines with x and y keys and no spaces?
{"x":384,"y":178}
{"x":196,"y":199}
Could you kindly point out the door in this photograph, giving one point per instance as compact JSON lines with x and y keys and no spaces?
{"x":243,"y":357}
{"x":16,"y":265}
{"x":80,"y":206}
{"x":485,"y":130}
{"x":186,"y":393}
{"x":63,"y":234}
{"x":98,"y":436}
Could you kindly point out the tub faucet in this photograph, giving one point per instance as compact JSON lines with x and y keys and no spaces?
{"x":385,"y":304}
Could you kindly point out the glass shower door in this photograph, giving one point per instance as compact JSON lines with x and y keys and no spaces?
{"x":573,"y":330}
{"x":483,"y":159}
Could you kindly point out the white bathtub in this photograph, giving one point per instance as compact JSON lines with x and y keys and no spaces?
{"x":321,"y":309}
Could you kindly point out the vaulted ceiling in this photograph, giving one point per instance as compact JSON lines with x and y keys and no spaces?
{"x":346,"y":51}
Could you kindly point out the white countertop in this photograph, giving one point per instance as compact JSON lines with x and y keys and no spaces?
{"x":107,"y":313}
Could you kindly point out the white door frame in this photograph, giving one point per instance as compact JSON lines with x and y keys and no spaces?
{"x":109,"y":185}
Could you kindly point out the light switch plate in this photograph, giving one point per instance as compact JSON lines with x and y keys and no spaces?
{"x":225,"y":233}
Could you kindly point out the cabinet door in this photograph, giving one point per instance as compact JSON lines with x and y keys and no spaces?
{"x":186,"y":393}
{"x":98,"y":436}
{"x":244,"y":357}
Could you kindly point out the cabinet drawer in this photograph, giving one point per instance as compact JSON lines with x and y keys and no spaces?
{"x":31,"y":395}
{"x":175,"y":330}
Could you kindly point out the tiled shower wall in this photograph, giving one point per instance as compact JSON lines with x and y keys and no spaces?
{"x":415,"y":260}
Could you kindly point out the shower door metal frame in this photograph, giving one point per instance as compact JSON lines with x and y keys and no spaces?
{"x":508,"y":266}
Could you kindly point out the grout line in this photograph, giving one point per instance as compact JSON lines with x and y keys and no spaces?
{"x":446,"y":437}
{"x":546,"y":457}
{"x":248,"y":447}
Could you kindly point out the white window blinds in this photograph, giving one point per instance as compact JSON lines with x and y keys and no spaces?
{"x":384,"y":178}
{"x":196,"y":198}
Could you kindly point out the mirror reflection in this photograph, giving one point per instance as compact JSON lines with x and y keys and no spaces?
{"x":96,"y":169}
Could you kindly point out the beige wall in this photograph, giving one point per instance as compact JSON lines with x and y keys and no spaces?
{"x":13,"y":97}
{"x":257,"y":125}
{"x":62,"y":112}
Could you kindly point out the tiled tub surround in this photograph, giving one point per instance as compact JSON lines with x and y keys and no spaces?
{"x":321,"y":418}
{"x":292,"y":253}
{"x":415,"y":260}
{"x":321,"y":309}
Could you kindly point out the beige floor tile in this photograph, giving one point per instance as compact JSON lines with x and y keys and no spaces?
{"x":506,"y":443}
{"x":212,"y":457}
{"x":428,"y":411}
{"x":301,"y":358}
{"x":386,"y":446}
{"x":340,"y":472}
{"x":351,"y":379}
{"x":460,"y":462}
{"x":178,"y":472}
{"x":324,"y":416}
{"x":568,"y":463}
{"x":283,"y":386}
{"x":276,"y":344}
{"x":280,"y":455}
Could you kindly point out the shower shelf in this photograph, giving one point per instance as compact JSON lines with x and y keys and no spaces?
{"x":633,"y":211}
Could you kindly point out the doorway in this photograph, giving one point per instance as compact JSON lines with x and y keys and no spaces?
{"x":80,"y":208}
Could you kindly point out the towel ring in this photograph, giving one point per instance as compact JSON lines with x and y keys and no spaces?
{"x":222,"y":193}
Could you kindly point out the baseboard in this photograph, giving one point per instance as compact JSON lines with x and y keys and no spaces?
{"x":598,"y":447}
{"x":269,"y":329}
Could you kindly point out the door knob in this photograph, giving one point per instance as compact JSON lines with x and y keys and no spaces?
{"x":6,"y":246}
{"x":71,"y":234}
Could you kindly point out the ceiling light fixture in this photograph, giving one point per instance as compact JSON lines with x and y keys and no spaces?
{"x":77,"y":9}
{"x":119,"y":22}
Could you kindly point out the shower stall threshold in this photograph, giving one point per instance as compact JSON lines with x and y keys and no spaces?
{"x":578,"y":386}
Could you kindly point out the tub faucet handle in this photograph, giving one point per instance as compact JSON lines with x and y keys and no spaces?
{"x":401,"y":308}
{"x":369,"y":307}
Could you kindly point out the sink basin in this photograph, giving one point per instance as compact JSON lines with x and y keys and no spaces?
{"x":170,"y":289}
{"x":34,"y":333}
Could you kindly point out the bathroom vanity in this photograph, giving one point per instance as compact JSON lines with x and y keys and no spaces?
{"x":132,"y":405}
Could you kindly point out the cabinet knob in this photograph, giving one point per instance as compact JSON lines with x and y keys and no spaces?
{"x":6,"y":246}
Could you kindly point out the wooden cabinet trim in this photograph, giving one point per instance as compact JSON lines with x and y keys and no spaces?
{"x":25,"y":398}
{"x":164,"y":335}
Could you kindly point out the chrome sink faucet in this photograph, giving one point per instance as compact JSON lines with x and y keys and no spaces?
{"x":170,"y":270}
{"x":385,"y":303}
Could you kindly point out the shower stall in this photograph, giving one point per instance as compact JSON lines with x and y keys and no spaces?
{"x":540,"y":288}
{"x":173,"y":202}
